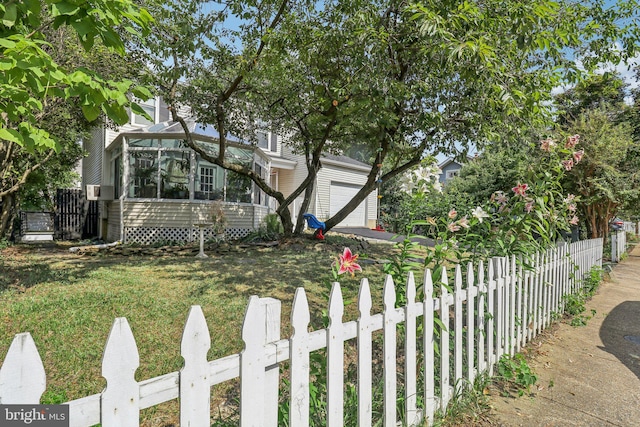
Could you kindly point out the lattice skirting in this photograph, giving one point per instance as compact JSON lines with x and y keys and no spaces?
{"x":151,"y":235}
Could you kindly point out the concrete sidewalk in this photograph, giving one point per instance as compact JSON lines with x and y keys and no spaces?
{"x":589,"y":375}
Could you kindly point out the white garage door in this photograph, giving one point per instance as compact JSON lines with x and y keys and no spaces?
{"x":340,"y":194}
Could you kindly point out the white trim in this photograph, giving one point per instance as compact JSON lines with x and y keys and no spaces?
{"x":345,"y":165}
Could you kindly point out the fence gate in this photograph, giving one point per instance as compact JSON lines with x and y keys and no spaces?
{"x":76,"y":217}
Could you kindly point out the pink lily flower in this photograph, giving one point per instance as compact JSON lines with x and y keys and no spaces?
{"x":348,"y":263}
{"x":452,"y":214}
{"x":577,"y":156}
{"x":520,"y":189}
{"x":546,"y":144}
{"x":572,"y":141}
{"x":568,"y":164}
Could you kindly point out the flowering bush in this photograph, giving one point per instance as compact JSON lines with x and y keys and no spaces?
{"x":528,"y":218}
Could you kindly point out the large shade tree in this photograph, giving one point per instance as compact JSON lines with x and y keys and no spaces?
{"x":44,"y":97}
{"x":396,"y":78}
{"x":607,"y":178}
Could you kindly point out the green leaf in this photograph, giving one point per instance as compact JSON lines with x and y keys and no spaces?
{"x":10,"y":15}
{"x":64,"y":8}
{"x":10,"y":135}
{"x":91,"y":112}
{"x":9,"y":44}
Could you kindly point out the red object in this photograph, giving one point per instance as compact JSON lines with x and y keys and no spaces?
{"x":318,"y":234}
{"x":378,"y":228}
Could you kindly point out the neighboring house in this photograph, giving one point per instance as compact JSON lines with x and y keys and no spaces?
{"x":153,"y":187}
{"x":450,"y":169}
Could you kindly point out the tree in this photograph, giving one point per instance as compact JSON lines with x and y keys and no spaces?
{"x":36,"y":90}
{"x":396,"y":78}
{"x":607,"y":178}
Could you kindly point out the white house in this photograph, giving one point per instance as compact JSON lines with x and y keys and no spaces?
{"x":152,"y":187}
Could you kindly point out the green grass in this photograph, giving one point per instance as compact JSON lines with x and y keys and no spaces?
{"x":69,"y":302}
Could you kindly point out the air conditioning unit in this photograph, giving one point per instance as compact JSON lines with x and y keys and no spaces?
{"x":93,"y":192}
{"x":99,"y":192}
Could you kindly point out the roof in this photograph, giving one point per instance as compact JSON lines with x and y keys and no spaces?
{"x":197,"y":129}
{"x":450,"y":160}
{"x":344,"y":159}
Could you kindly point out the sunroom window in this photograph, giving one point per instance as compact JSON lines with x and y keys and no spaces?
{"x":166,"y":169}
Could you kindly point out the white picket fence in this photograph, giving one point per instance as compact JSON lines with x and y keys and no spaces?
{"x":631,"y":227}
{"x":618,"y":245}
{"x":496,"y":311}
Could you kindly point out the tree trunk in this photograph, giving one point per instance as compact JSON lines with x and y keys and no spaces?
{"x":7,"y":215}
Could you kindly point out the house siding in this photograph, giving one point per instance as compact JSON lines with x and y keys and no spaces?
{"x":113,"y":221}
{"x":92,"y":164}
{"x":148,"y":222}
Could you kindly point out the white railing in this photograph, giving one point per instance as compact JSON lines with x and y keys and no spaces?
{"x":495,"y":311}
{"x":618,"y":245}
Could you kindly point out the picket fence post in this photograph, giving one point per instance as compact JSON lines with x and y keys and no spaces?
{"x":389,"y":353}
{"x":457,"y":330}
{"x":299,"y":357}
{"x":252,"y":366}
{"x":335,"y":359}
{"x":429,"y":348}
{"x":365,"y":356}
{"x":120,"y":405}
{"x":195,"y":392}
{"x":22,"y":375}
{"x":410,"y":354}
{"x":445,"y":382}
{"x":471,"y":292}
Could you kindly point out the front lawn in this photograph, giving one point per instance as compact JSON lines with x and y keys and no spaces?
{"x":68,"y":301}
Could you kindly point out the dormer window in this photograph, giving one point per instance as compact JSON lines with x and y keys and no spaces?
{"x":263,"y":139}
{"x":268,"y":141}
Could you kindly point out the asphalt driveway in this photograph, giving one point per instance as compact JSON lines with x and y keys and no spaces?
{"x":375,"y":235}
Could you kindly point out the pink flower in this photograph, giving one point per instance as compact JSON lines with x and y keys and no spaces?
{"x":568,"y":164}
{"x":546,"y":144}
{"x":463,"y":222}
{"x":569,"y":198}
{"x":571,"y":207}
{"x":528,"y":207}
{"x":452,"y":214}
{"x":348,"y":263}
{"x":573,"y":220}
{"x":499,"y":197}
{"x":577,"y":156}
{"x":572,"y":141}
{"x":520,"y":189}
{"x":453,"y":227}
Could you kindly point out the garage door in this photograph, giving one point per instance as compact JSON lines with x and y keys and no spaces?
{"x":340,"y":194}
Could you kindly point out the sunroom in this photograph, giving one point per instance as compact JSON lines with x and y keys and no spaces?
{"x":163,"y":191}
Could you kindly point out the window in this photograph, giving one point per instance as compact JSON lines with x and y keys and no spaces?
{"x":174,"y":174}
{"x":263,"y":139}
{"x":209,"y":181}
{"x":238,"y":188}
{"x":144,"y":174}
{"x":453,"y":174}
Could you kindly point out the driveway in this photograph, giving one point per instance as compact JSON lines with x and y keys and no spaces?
{"x":378,"y":236}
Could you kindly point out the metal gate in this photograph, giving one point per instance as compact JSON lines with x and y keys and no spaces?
{"x":75,"y":216}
